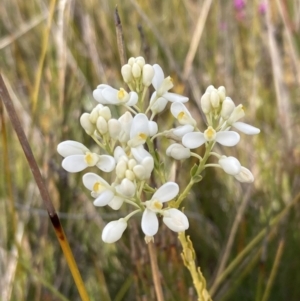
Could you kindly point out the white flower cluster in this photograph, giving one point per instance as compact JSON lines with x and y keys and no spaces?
{"x":128,"y":150}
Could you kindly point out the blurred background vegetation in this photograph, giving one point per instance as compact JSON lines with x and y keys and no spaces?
{"x":250,"y":47}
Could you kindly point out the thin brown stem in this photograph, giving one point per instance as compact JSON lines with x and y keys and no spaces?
{"x":43,"y":190}
{"x":155,"y":272}
{"x":120,"y":38}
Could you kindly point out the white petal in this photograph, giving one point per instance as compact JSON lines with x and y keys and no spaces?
{"x":74,"y":163}
{"x":116,"y":203}
{"x":173,"y":97}
{"x":246,"y":128}
{"x":230,"y":165}
{"x":175,"y":220}
{"x":166,"y":192}
{"x":114,"y":128}
{"x":104,"y":198}
{"x":140,"y":124}
{"x":111,"y":95}
{"x":69,"y":147}
{"x":245,"y":175}
{"x":118,"y":153}
{"x":133,"y":99}
{"x":177,"y":107}
{"x":126,"y":188}
{"x":180,"y":131}
{"x":193,"y":140}
{"x":158,"y":76}
{"x":152,"y":128}
{"x":149,"y":222}
{"x":139,"y":153}
{"x":106,"y":163}
{"x":157,"y":105}
{"x":114,"y":230}
{"x":178,"y":151}
{"x":97,"y":94}
{"x":228,"y":138}
{"x":89,"y":180}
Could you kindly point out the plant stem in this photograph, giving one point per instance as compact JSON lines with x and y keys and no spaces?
{"x":43,"y":190}
{"x":188,"y":257}
{"x":155,"y":272}
{"x":273,"y":271}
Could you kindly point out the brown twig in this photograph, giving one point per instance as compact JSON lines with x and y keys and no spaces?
{"x":43,"y":189}
{"x":155,"y":272}
{"x":120,"y":38}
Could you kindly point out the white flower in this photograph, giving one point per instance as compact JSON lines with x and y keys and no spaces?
{"x":161,"y":95}
{"x":103,"y":193}
{"x":245,"y":175}
{"x":127,"y":188}
{"x":120,"y":129}
{"x":114,"y":230}
{"x":178,"y":151}
{"x":237,"y":114}
{"x":175,"y":220}
{"x":105,"y":94}
{"x":78,"y":157}
{"x":173,"y":217}
{"x":182,"y":114}
{"x":230,"y":165}
{"x":141,"y":129}
{"x":145,"y":163}
{"x":196,"y":139}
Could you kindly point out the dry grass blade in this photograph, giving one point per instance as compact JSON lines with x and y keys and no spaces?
{"x":196,"y":38}
{"x":43,"y":190}
{"x":120,"y":38}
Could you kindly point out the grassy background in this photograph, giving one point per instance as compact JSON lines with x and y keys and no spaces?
{"x":254,"y":55}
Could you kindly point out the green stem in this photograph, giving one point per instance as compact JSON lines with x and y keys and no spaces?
{"x":188,"y":257}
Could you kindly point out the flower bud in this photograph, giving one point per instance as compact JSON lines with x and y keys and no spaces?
{"x":126,"y":73}
{"x":105,"y":113}
{"x":114,"y":230}
{"x":136,"y":70}
{"x":114,"y":128}
{"x":129,"y":175}
{"x":222,"y":93}
{"x":131,"y":163}
{"x":148,"y":74}
{"x":86,"y":123}
{"x":214,"y":99}
{"x":126,"y":188}
{"x":175,"y":220}
{"x":121,"y":169}
{"x":178,"y":151}
{"x":101,"y":125}
{"x":230,"y":165}
{"x":245,"y":175}
{"x":227,"y":108}
{"x":94,"y":114}
{"x":205,"y":103}
{"x":210,"y":88}
{"x":131,"y":61}
{"x":140,"y":61}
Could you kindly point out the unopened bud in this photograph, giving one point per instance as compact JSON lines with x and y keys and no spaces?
{"x":227,"y":108}
{"x":101,"y":125}
{"x":136,"y":70}
{"x":126,"y":73}
{"x":214,"y":99}
{"x":205,"y":103}
{"x":86,"y":123}
{"x":148,"y":74}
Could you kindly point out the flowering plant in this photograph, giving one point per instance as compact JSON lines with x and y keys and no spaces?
{"x":127,"y":149}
